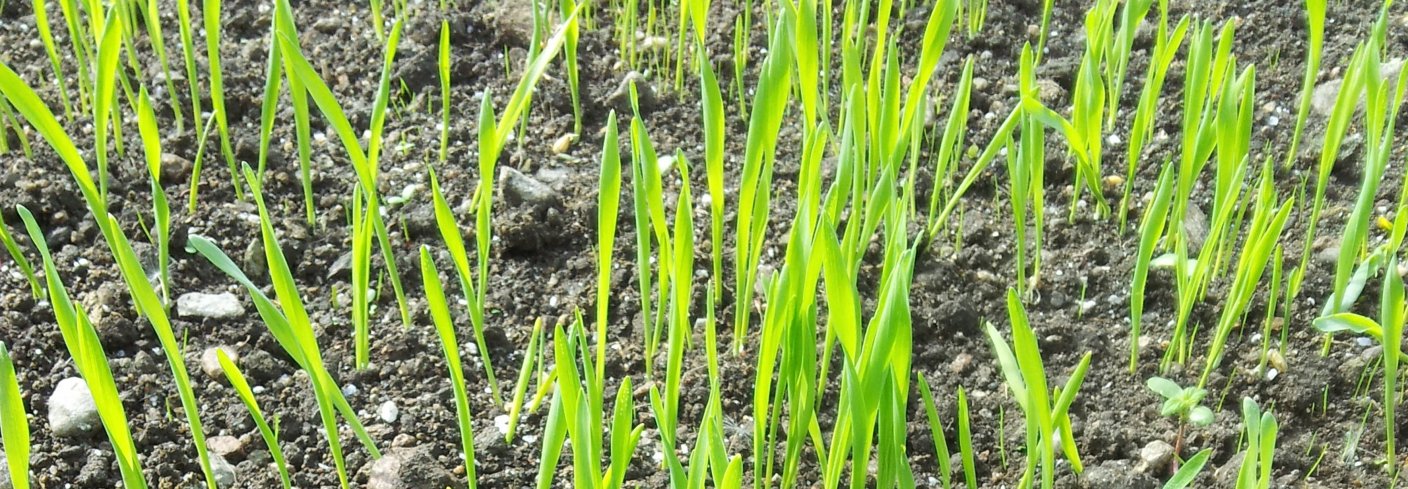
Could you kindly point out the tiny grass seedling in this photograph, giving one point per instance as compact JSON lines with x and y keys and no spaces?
{"x":1045,"y":416}
{"x":81,"y":339}
{"x":1259,"y":432}
{"x":14,"y":425}
{"x":246,"y":395}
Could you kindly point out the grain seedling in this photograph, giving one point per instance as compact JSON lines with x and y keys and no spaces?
{"x":14,"y":425}
{"x":493,"y":135}
{"x":608,"y":204}
{"x":283,"y":25}
{"x":1183,"y":404}
{"x":161,"y":210}
{"x":46,"y":36}
{"x":1263,"y":233}
{"x":525,"y":373}
{"x":291,"y":326}
{"x":268,"y":433}
{"x":1045,"y":416}
{"x":1388,"y":331}
{"x":1346,"y":102}
{"x":104,"y":94}
{"x":368,"y":223}
{"x":210,"y":13}
{"x":1259,"y":431}
{"x":1166,"y":45}
{"x":755,"y":186}
{"x":571,"y":29}
{"x":443,"y":68}
{"x":576,"y":417}
{"x":26,"y":269}
{"x":144,"y":297}
{"x":1132,"y":15}
{"x":449,"y":344}
{"x":1092,"y":88}
{"x":81,"y":339}
{"x":1315,"y":41}
{"x":1380,"y":117}
{"x":151,"y":14}
{"x":1150,"y":229}
{"x":712,"y":108}
{"x":941,"y":448}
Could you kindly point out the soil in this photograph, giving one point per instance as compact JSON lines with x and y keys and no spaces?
{"x":544,"y":261}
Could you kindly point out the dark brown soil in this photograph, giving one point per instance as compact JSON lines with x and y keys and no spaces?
{"x":544,"y":262}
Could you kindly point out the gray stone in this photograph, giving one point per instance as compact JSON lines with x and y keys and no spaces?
{"x":226,"y":446}
{"x":388,"y":412}
{"x":210,"y":360}
{"x":72,"y":410}
{"x":210,"y":306}
{"x":1116,"y":474}
{"x":518,"y":188}
{"x":407,"y":468}
{"x":1154,"y":456}
{"x":224,"y":472}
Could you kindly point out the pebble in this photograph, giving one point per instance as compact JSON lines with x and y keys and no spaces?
{"x":1086,"y":306}
{"x":1155,"y":456}
{"x":72,"y":410}
{"x":211,"y":306}
{"x":388,"y":411}
{"x":407,"y":468}
{"x":225,"y":446}
{"x":210,"y":360}
{"x":519,"y":188}
{"x":350,"y":390}
{"x":224,"y":472}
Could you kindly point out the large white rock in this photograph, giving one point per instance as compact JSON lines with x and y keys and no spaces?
{"x":213,"y":306}
{"x":72,"y":411}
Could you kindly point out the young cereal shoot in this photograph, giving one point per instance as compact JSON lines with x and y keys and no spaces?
{"x":493,"y":135}
{"x":445,"y":330}
{"x":210,"y":11}
{"x":291,"y":326}
{"x":81,"y":339}
{"x":246,"y":395}
{"x":14,"y":426}
{"x":145,"y":298}
{"x":1026,"y":377}
{"x":1259,"y":432}
{"x":1388,"y":331}
{"x":369,"y":222}
{"x":26,"y":269}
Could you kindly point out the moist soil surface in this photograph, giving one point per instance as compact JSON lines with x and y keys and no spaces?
{"x":544,"y":259}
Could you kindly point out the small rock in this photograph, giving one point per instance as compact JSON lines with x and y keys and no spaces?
{"x":388,"y":411}
{"x":1049,"y":91}
{"x":407,"y":468}
{"x":227,"y":447}
{"x":72,"y":411}
{"x":1116,"y":474}
{"x":1085,"y":307}
{"x":211,"y":306}
{"x":1155,"y":456}
{"x":174,"y":168}
{"x":253,"y":259}
{"x":223,"y":471}
{"x":403,"y":440}
{"x":210,"y":360}
{"x":518,"y":188}
{"x":341,"y":267}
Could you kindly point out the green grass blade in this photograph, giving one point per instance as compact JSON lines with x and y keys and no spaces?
{"x":246,"y":395}
{"x":14,"y":425}
{"x":445,"y":330}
